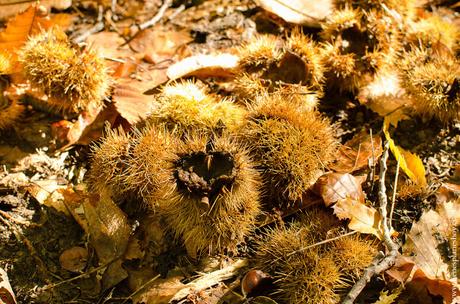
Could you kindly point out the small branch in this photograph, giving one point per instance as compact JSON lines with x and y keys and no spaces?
{"x":51,"y":286}
{"x":149,"y":23}
{"x":323,"y":242}
{"x":140,"y":288}
{"x":210,"y":279}
{"x":378,"y":265}
{"x":99,"y":26}
{"x":393,"y":199}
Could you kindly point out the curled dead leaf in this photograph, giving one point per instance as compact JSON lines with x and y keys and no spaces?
{"x":130,"y":101}
{"x":304,"y":12}
{"x":74,"y":259}
{"x":222,"y":65}
{"x":160,"y":291}
{"x":333,"y":187}
{"x":6,"y":292}
{"x":361,"y":151}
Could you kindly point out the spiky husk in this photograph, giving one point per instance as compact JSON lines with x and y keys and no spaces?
{"x":260,"y":52}
{"x":270,"y":64}
{"x":309,"y":52}
{"x":433,"y":30}
{"x":405,"y":8}
{"x":311,"y":280}
{"x":356,"y":46}
{"x":353,"y":254}
{"x":71,"y":78}
{"x":109,"y":164}
{"x":216,"y":200}
{"x":434,"y":82}
{"x":10,"y":112}
{"x":291,"y":144}
{"x":302,"y":275}
{"x":149,"y":170}
{"x":185,"y":107}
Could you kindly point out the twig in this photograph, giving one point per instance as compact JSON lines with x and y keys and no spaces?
{"x":322,"y":242}
{"x":54,"y":285}
{"x":379,"y":265}
{"x":155,"y":19}
{"x":140,"y":288}
{"x":99,"y":26}
{"x":210,"y":279}
{"x":373,"y":161}
{"x":393,"y":199}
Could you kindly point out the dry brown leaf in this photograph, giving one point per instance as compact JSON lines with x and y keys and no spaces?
{"x":9,"y":8}
{"x":87,"y":128}
{"x":158,"y":46}
{"x":417,"y":283}
{"x":357,"y":153}
{"x":130,"y":102}
{"x":108,"y":45}
{"x":160,"y":291}
{"x":114,"y":274}
{"x":433,"y":231}
{"x":450,"y":189}
{"x":17,"y":32}
{"x":6,"y":292}
{"x":74,"y":259}
{"x":304,"y":12}
{"x":222,"y":65}
{"x":47,"y":192}
{"x":74,"y":203}
{"x":333,"y":187}
{"x":363,"y":219}
{"x":108,"y":227}
{"x":385,"y":96}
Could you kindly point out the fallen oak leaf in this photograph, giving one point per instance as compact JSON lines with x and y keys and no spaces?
{"x":410,"y":163}
{"x":362,"y":218}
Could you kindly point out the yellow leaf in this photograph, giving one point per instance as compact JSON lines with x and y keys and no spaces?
{"x":17,"y":32}
{"x":410,"y":163}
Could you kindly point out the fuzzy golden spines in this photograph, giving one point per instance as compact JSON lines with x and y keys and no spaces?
{"x":216,"y":198}
{"x":305,"y":48}
{"x":185,"y":107}
{"x":353,"y":254}
{"x":356,"y":45}
{"x":150,"y":166}
{"x":109,"y":164}
{"x":10,"y":112}
{"x":260,"y":52}
{"x":302,"y":274}
{"x":269,"y":64}
{"x":434,"y":82}
{"x":71,"y":78}
{"x":291,"y":145}
{"x":433,"y":30}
